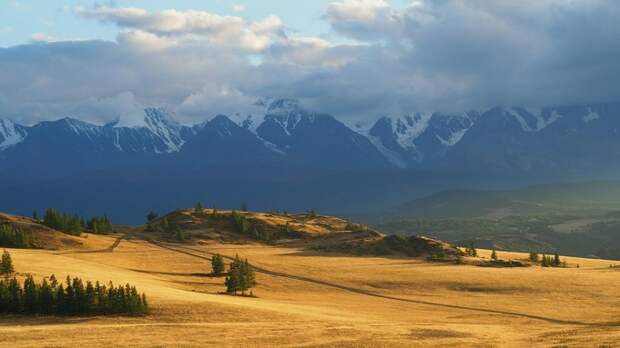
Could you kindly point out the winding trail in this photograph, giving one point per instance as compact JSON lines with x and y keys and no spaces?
{"x":193,"y":252}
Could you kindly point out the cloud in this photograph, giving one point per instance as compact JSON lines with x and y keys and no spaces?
{"x":42,"y":37}
{"x":179,"y":26}
{"x":238,"y":8}
{"x":446,"y":55}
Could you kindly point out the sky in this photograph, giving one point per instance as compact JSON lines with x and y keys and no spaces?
{"x":357,"y":59}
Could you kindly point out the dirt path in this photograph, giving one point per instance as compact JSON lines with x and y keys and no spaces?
{"x":197,"y":253}
{"x":109,"y":249}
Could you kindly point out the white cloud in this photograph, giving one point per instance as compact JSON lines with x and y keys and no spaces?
{"x":42,"y":37}
{"x":238,"y":8}
{"x":176,"y":26}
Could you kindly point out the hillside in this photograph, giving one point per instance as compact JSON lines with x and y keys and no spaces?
{"x":312,"y":232}
{"x":42,"y":236}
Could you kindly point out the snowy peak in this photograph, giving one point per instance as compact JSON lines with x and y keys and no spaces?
{"x":161,"y":123}
{"x":11,"y":134}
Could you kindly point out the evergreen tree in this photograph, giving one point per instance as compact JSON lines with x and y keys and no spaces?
{"x":544,"y":261}
{"x":13,"y":237}
{"x":533,"y":257}
{"x":151,"y":216}
{"x":198,"y":209}
{"x":6,"y":265}
{"x":35,"y":215}
{"x":556,"y":260}
{"x":31,"y":296}
{"x":217,"y":265}
{"x":46,"y":298}
{"x":494,"y":255}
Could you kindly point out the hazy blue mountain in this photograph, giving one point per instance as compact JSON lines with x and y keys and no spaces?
{"x":289,"y":156}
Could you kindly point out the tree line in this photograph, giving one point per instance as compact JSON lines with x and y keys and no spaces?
{"x":73,"y":297}
{"x":547,"y":261}
{"x":73,"y":224}
{"x":14,"y":237}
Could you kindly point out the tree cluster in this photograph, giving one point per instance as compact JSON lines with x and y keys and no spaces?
{"x":99,"y":224}
{"x":471,"y":250}
{"x":240,"y":277}
{"x":13,"y":237}
{"x":244,"y":226}
{"x":72,"y":298}
{"x":552,"y":261}
{"x":67,"y":223}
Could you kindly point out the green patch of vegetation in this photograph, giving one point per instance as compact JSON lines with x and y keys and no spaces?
{"x":14,"y":237}
{"x":241,"y":277}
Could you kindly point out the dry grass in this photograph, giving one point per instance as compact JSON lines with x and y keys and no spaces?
{"x":326,"y":301}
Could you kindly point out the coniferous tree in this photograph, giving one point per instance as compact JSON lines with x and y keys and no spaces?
{"x":217,"y":265}
{"x":35,"y":215}
{"x":556,"y":260}
{"x":6,"y":265}
{"x":13,"y":237}
{"x":494,"y":255}
{"x":198,"y":209}
{"x":46,"y":298}
{"x":31,"y":297}
{"x":151,"y":216}
{"x":533,"y":257}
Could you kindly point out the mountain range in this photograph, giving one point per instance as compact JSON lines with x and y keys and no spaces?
{"x":295,"y":158}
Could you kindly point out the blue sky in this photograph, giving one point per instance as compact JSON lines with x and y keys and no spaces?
{"x":20,"y":19}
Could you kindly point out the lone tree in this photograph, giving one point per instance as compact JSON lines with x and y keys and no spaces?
{"x":6,"y":265}
{"x":494,"y":255}
{"x":152,"y":215}
{"x":198,"y":209}
{"x":217,"y":265}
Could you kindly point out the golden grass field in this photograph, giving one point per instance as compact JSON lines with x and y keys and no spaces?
{"x":312,"y":300}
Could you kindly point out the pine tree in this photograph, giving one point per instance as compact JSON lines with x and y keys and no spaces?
{"x":494,"y":255}
{"x":35,"y":215}
{"x":46,"y":298}
{"x":31,"y":296}
{"x":198,"y":209}
{"x":217,"y":265}
{"x":544,"y":261}
{"x":6,"y":265}
{"x":556,"y":260}
{"x":151,"y":216}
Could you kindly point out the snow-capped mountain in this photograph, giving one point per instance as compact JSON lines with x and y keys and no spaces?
{"x":411,"y":139}
{"x":287,"y":151}
{"x":10,"y":134}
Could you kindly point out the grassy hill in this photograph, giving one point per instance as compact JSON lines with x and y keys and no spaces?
{"x":312,"y":232}
{"x":41,"y":236}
